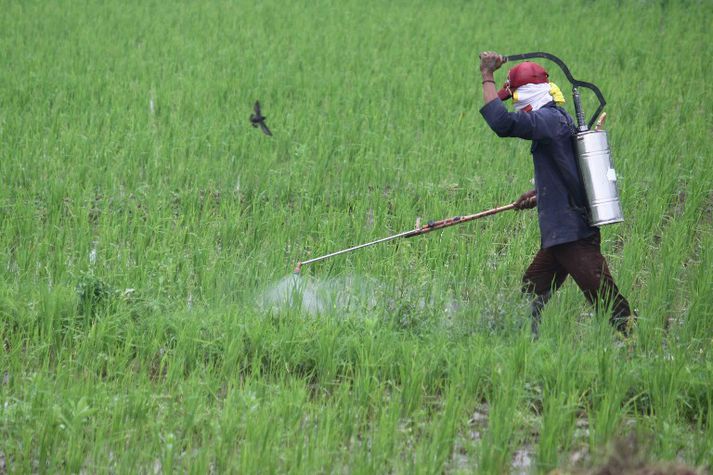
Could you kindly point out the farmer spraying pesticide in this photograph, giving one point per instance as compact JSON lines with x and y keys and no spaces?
{"x":569,"y":238}
{"x":575,"y":185}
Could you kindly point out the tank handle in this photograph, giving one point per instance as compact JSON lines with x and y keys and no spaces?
{"x":575,"y":83}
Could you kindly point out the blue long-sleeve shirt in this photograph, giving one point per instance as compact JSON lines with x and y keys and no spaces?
{"x":561,"y":215}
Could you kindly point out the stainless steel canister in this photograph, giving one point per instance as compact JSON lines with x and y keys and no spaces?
{"x":595,"y":166}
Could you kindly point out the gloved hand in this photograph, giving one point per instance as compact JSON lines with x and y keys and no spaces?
{"x":527,"y":200}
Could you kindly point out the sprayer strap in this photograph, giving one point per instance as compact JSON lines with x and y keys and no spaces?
{"x":571,"y":190}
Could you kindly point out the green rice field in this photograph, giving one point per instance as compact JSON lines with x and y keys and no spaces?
{"x":150,"y":321}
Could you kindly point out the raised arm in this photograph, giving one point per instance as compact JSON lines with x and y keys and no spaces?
{"x":526,"y":125}
{"x":489,"y":63}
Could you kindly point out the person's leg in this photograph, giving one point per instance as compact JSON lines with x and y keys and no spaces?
{"x":584,"y":261}
{"x":544,"y":276}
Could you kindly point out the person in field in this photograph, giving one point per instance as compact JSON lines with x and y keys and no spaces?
{"x":568,"y":244}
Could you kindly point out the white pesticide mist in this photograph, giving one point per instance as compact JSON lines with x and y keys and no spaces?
{"x":315,"y":296}
{"x":406,"y":303}
{"x":353,"y":294}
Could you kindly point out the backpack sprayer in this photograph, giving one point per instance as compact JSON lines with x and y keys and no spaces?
{"x":592,"y":151}
{"x":593,"y":160}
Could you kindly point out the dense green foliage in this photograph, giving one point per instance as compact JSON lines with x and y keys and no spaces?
{"x":142,"y":220}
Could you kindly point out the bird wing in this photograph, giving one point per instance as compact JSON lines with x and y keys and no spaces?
{"x":264,"y":128}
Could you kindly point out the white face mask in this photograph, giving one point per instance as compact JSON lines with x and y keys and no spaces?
{"x":531,"y":97}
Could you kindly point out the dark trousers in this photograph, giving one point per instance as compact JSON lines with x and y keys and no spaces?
{"x":582,"y":260}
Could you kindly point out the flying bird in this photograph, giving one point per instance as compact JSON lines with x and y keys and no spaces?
{"x":257,"y":119}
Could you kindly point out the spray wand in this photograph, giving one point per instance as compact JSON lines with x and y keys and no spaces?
{"x":431,"y":226}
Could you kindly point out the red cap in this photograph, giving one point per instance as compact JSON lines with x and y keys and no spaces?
{"x":504,"y":93}
{"x":523,"y":73}
{"x":527,"y":73}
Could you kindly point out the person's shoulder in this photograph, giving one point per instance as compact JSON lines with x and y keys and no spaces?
{"x":548,"y":114}
{"x":563,"y":112}
{"x":548,"y":110}
{"x":557,"y":116}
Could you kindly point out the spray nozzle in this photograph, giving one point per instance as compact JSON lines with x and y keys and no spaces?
{"x":298,"y":268}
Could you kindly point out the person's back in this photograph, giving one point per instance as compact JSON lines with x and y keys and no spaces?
{"x":560,"y":192}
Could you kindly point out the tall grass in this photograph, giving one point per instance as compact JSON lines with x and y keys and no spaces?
{"x":142,"y":220}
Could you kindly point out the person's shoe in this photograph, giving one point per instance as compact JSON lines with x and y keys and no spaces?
{"x":624,"y":323}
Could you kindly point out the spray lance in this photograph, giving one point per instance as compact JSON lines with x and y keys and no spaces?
{"x":427,"y":228}
{"x":591,"y":149}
